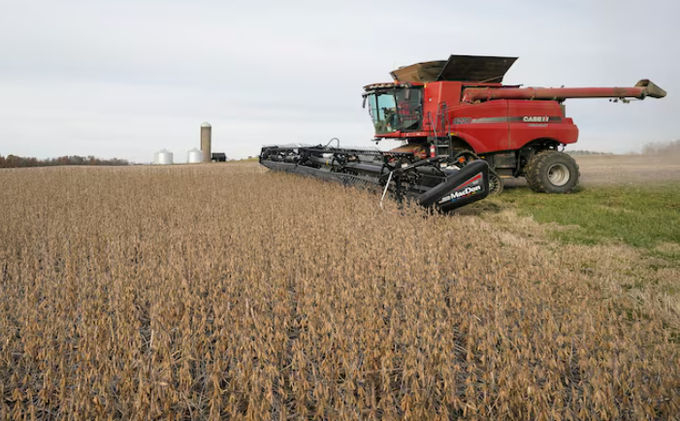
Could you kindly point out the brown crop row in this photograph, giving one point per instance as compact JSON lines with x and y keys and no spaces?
{"x":225,"y":292}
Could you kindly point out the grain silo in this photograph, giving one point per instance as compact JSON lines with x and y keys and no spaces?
{"x":206,"y":134}
{"x":194,"y":156}
{"x":163,"y":157}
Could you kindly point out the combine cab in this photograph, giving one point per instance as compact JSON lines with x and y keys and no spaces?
{"x":457,"y":121}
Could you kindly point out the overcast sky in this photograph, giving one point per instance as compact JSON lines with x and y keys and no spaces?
{"x":126,"y":78}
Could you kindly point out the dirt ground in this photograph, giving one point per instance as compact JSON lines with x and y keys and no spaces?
{"x":623,"y":169}
{"x":628,"y":169}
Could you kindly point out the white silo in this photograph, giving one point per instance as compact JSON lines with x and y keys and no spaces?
{"x":194,"y":156}
{"x":164,"y":157}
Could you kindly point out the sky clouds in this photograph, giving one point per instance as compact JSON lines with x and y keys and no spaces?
{"x":127,"y":78}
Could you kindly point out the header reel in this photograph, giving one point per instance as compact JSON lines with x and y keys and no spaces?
{"x":431,"y":182}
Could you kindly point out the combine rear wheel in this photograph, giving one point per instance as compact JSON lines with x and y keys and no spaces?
{"x":550,"y":171}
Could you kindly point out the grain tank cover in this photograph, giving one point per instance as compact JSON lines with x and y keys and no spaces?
{"x":480,"y":69}
{"x":419,"y":72}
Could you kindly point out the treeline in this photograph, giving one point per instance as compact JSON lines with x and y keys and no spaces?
{"x":662,"y":148}
{"x":580,"y":152}
{"x":13,"y":161}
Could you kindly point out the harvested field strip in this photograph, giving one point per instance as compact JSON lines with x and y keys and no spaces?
{"x":626,"y":239}
{"x":639,"y":215}
{"x":221,"y":292}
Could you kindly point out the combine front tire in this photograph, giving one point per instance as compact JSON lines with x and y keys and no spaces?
{"x":495,"y":183}
{"x":550,"y":171}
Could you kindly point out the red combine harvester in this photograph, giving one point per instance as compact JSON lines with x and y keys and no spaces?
{"x":463,"y":133}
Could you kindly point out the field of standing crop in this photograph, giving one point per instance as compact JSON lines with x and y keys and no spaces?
{"x":227,"y":292}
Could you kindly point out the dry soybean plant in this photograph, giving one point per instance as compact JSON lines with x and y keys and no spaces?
{"x":224,"y":292}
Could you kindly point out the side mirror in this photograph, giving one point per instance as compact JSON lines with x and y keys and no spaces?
{"x":407,"y":94}
{"x":363,"y":105}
